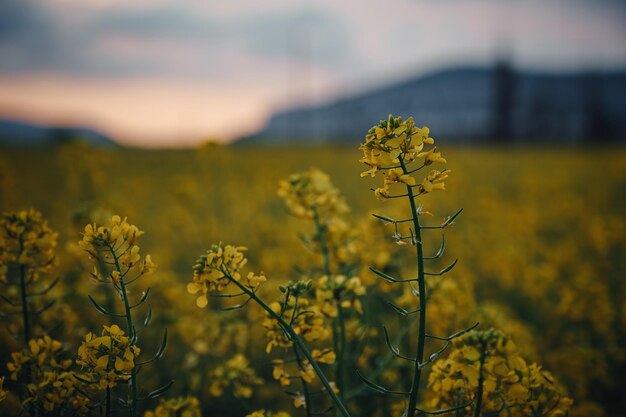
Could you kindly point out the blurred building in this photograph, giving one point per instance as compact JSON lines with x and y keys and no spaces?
{"x":497,"y":105}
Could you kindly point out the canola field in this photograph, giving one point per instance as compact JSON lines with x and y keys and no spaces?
{"x":315,"y":323}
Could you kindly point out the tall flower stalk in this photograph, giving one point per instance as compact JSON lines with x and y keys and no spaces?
{"x":118,"y":262}
{"x":26,"y":258}
{"x":26,"y":254}
{"x":396,"y":148}
{"x":310,"y":195}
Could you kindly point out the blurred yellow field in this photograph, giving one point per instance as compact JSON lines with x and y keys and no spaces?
{"x":541,"y":247}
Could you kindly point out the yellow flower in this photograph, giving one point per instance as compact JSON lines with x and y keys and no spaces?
{"x":3,"y":393}
{"x":338,"y":290}
{"x":396,"y":175}
{"x":307,"y":374}
{"x":311,"y":326}
{"x":324,"y":356}
{"x":431,"y":156}
{"x":235,"y":373}
{"x":115,"y":244}
{"x":392,"y":146}
{"x":299,"y":401}
{"x":382,"y":193}
{"x":52,"y":386}
{"x":311,"y":194}
{"x":212,"y":271}
{"x":433,"y":181}
{"x":176,"y":407}
{"x":26,"y":239}
{"x":280,"y":373}
{"x":510,"y":387}
{"x":107,"y":359}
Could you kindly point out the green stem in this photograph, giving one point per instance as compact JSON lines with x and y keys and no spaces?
{"x":340,"y":371}
{"x":130,"y":330}
{"x":481,"y":381}
{"x":25,"y":322}
{"x":107,"y":410}
{"x":339,"y":322}
{"x":383,"y":364}
{"x":24,"y":296}
{"x":421,"y":337}
{"x":321,"y":234}
{"x":305,"y":386}
{"x":298,"y":342}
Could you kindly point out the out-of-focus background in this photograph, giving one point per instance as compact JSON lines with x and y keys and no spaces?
{"x":165,"y":74}
{"x":184,"y":116}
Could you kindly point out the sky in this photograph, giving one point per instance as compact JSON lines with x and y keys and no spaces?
{"x":159,"y":73}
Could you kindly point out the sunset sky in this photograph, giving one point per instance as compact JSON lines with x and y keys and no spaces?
{"x":174,"y":73}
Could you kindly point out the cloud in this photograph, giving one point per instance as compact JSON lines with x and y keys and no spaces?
{"x":164,"y":40}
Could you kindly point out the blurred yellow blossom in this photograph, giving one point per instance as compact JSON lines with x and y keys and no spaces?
{"x":115,"y":245}
{"x":307,"y":322}
{"x":237,"y":374}
{"x":263,"y":413}
{"x":26,"y":239}
{"x":311,"y":194}
{"x":176,"y":407}
{"x":52,"y":386}
{"x":510,"y":387}
{"x":338,"y":289}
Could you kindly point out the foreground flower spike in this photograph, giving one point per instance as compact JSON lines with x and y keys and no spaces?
{"x":26,"y":259}
{"x":108,"y":359}
{"x":27,"y":250}
{"x":487,"y":372}
{"x":396,"y":148}
{"x":54,"y":389}
{"x":118,"y":262}
{"x":215,"y":272}
{"x":391,"y":146}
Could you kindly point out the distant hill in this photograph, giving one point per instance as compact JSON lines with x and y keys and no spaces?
{"x":495,"y":104}
{"x":19,"y":134}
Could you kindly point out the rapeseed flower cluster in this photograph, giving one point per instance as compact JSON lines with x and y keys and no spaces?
{"x":26,"y":240}
{"x":338,"y":291}
{"x":391,"y":146}
{"x":39,"y":352}
{"x":235,"y":375}
{"x":306,"y":320}
{"x":488,"y":364}
{"x":108,"y":359}
{"x":115,"y":245}
{"x":283,"y":372}
{"x":51,"y":386}
{"x":214,"y":271}
{"x":311,"y":194}
{"x":56,"y":391}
